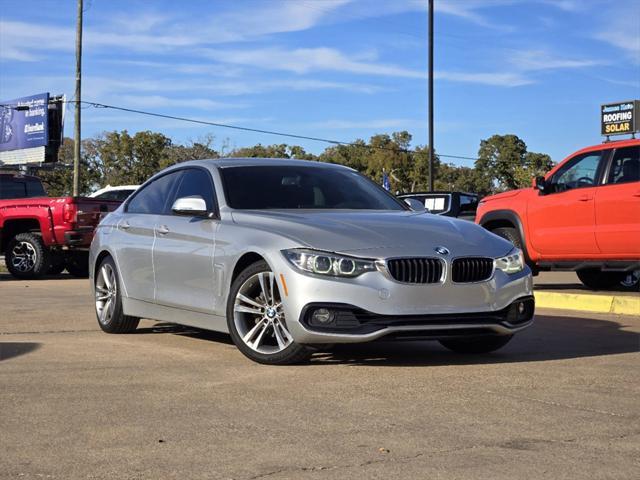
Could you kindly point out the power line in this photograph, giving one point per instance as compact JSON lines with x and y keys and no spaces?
{"x":266,"y":132}
{"x":255,"y":130}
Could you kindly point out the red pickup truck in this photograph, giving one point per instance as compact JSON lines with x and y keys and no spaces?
{"x":41,"y":235}
{"x":584,"y":215}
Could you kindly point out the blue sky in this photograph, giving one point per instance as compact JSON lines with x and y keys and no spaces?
{"x":342,"y":69}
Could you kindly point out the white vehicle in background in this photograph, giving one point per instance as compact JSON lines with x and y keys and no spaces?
{"x":120,"y":193}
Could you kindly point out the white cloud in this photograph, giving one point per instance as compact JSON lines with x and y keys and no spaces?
{"x":364,"y":124}
{"x":621,"y":29}
{"x":535,"y":60}
{"x":496,"y":79}
{"x":305,"y":60}
{"x":151,"y":32}
{"x":160,"y":101}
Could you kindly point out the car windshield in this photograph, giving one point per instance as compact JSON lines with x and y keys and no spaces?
{"x":303,"y":187}
{"x":119,"y":195}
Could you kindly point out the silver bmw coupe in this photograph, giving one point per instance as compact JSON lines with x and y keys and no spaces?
{"x":288,"y":256}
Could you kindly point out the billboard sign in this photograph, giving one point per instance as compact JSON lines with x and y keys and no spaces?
{"x":24,"y":123}
{"x":620,"y":118}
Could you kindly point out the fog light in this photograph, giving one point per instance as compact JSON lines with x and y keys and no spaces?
{"x":323,"y":316}
{"x":521,"y":308}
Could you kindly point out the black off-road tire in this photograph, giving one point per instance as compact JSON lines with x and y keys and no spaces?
{"x":480,"y":344}
{"x":119,"y":322}
{"x":293,"y":354}
{"x":77,"y":264}
{"x":596,"y":279}
{"x":38,"y":266}
{"x":509,"y":233}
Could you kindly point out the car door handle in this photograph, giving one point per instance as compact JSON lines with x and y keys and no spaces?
{"x":585,"y":198}
{"x":125,"y":225}
{"x":637,"y":194}
{"x":162,"y":229}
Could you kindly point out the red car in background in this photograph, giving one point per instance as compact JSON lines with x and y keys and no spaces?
{"x":584,"y":215}
{"x":41,"y":235}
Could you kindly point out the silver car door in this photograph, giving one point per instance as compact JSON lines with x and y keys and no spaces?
{"x":184,"y":249}
{"x":136,"y":235}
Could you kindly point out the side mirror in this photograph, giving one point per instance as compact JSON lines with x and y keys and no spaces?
{"x":193,"y":206}
{"x":541,"y":184}
{"x":415,"y":205}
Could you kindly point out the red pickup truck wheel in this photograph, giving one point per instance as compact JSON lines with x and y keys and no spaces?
{"x":27,"y":256}
{"x":596,"y":279}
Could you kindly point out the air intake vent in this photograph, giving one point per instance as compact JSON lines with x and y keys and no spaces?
{"x":416,"y":270}
{"x":471,"y":269}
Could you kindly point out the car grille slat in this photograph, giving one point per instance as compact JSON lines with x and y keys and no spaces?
{"x":416,"y":270}
{"x":471,"y":269}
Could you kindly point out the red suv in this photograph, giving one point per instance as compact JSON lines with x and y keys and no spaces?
{"x":584,"y":215}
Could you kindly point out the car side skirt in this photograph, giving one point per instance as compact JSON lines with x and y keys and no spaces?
{"x":161,"y":313}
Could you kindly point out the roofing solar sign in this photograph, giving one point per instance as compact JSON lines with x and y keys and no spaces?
{"x":620,"y":118}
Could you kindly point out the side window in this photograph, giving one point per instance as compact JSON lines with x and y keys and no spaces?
{"x":13,"y":189}
{"x":468,"y":203}
{"x":196,"y":181}
{"x":152,"y":199}
{"x":579,"y":172}
{"x":35,"y":189}
{"x":625,"y":166}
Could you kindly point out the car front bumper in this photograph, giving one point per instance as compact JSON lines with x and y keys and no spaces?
{"x":382,"y":306}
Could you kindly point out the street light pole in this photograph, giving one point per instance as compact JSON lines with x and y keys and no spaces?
{"x":431,"y":149}
{"x":77,"y":137}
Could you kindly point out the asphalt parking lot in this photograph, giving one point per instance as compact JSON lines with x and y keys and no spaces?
{"x":560,"y":401}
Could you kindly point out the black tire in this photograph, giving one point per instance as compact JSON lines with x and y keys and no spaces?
{"x":596,"y":279}
{"x":292,"y":354}
{"x":78,"y":264}
{"x":480,"y":344}
{"x":27,"y":257}
{"x":116,"y":321}
{"x":57,"y":265}
{"x":510,"y":234}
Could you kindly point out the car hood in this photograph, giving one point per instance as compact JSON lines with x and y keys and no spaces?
{"x":500,"y":196}
{"x":376,"y":234}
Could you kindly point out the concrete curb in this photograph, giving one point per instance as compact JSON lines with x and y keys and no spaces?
{"x":585,"y":302}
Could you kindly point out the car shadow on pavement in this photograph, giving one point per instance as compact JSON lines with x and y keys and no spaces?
{"x":550,"y":338}
{"x":163,"y":327}
{"x":5,"y":276}
{"x":15,"y":349}
{"x":582,"y":289}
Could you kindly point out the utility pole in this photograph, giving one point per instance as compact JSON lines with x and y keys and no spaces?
{"x":77,"y":138}
{"x":431,"y":149}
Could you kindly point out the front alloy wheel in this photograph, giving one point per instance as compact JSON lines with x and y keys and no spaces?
{"x":108,"y":300}
{"x":256,"y":318}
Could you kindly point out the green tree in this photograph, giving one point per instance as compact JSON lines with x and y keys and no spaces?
{"x":501,"y":159}
{"x":58,"y":177}
{"x":121,"y":159}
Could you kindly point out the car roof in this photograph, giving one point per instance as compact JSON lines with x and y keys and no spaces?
{"x":257,"y":162}
{"x":437,"y":192}
{"x":19,"y":176}
{"x":627,"y":142}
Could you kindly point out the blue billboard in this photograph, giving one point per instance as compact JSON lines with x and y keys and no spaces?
{"x":24,"y":122}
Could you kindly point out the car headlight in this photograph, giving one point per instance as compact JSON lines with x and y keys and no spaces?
{"x":512,"y":263}
{"x":327,"y":263}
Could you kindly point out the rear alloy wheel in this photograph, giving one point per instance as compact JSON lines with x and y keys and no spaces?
{"x":256,"y":319}
{"x":27,"y":257}
{"x":108,"y":301}
{"x":596,"y":279}
{"x":480,"y":344}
